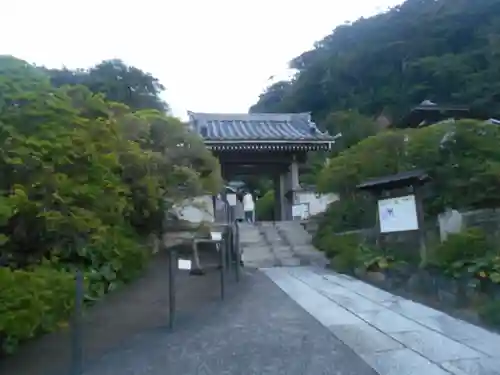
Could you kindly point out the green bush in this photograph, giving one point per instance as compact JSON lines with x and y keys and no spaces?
{"x":110,"y":263}
{"x":346,"y":261}
{"x":323,"y":237}
{"x":469,"y":244}
{"x":264,"y":207}
{"x":32,"y":302}
{"x":342,"y":250}
{"x":350,"y":213}
{"x":348,"y":252}
{"x":490,"y":313}
{"x":342,"y":244}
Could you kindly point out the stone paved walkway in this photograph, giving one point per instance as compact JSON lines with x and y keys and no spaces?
{"x":258,"y":330}
{"x":393,"y":335}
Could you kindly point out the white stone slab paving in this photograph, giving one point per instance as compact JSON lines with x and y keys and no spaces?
{"x":483,"y":366}
{"x":335,"y":292}
{"x":487,"y":343}
{"x":454,"y":328}
{"x":411,"y":309}
{"x":393,"y":335}
{"x":434,"y":346}
{"x":372,"y":293}
{"x":313,"y":302}
{"x":390,"y":322}
{"x":354,"y":305}
{"x":402,"y":362}
{"x":363,"y":338}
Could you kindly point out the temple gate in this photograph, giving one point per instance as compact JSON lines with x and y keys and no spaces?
{"x":272,"y":144}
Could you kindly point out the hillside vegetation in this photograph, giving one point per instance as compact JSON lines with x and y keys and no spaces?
{"x":447,"y":51}
{"x":87,"y":160}
{"x":369,"y":73}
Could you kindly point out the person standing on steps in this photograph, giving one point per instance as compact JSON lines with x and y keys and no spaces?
{"x":248,"y":206}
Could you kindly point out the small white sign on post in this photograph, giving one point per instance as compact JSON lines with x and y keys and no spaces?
{"x":398,"y":214}
{"x":231,"y":199}
{"x":298,"y":210}
{"x":216,"y":236}
{"x":184,"y":264}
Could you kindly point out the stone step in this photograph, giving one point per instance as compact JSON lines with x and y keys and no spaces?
{"x":282,"y":244}
{"x":267,"y":263}
{"x":290,"y":262}
{"x":281,"y":250}
{"x":306,"y":249}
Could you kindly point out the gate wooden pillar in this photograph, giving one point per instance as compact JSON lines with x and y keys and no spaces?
{"x":291,"y":186}
{"x":279,"y":196}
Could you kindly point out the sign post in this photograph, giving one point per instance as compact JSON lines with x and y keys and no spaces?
{"x":172,"y":268}
{"x":403,"y":211}
{"x":218,"y":239}
{"x":299,"y":211}
{"x":77,"y":329}
{"x":236,"y":247}
{"x":231,"y":199}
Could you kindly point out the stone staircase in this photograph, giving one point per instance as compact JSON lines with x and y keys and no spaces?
{"x":300,"y":242}
{"x":256,"y":252}
{"x":280,"y":244}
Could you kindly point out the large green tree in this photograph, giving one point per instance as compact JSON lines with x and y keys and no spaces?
{"x":84,"y":177}
{"x":118,"y":82}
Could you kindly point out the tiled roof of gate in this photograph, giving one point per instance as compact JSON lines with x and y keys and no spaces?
{"x":257,"y":127}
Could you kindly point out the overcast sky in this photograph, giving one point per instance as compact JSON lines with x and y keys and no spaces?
{"x":212,"y":55}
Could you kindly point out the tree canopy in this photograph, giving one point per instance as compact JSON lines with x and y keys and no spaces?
{"x":117,"y":81}
{"x":73,"y":161}
{"x":447,"y":51}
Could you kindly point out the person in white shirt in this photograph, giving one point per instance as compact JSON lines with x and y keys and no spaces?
{"x":248,"y":206}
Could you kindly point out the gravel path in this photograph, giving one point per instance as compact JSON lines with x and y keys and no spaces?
{"x":257,"y":330}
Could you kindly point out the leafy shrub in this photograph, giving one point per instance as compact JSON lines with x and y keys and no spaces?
{"x":490,"y":313}
{"x":344,"y":243}
{"x":343,"y":250}
{"x":461,"y":249}
{"x":469,"y":244}
{"x":350,"y":213}
{"x":110,"y":263}
{"x":374,"y":261}
{"x":323,"y":237}
{"x":264,"y":207}
{"x":469,"y":254}
{"x":32,"y":302}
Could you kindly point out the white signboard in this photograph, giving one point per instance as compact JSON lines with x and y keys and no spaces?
{"x":216,"y":236}
{"x":397,"y":214}
{"x":298,"y":210}
{"x":184,"y":264}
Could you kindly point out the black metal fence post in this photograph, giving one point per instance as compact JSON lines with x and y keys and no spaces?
{"x":77,"y":326}
{"x":172,"y":268}
{"x":228,"y":246}
{"x":236,"y":248}
{"x":222,"y":270}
